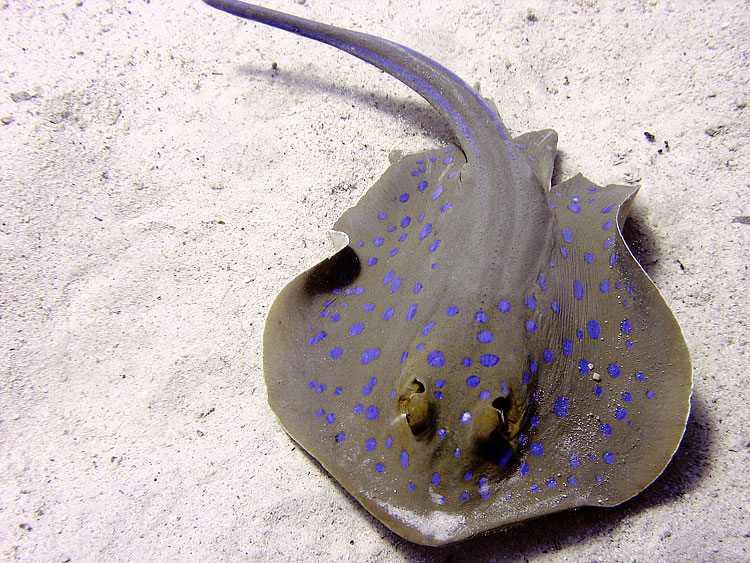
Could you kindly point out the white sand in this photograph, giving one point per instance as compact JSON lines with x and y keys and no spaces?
{"x":161,"y":184}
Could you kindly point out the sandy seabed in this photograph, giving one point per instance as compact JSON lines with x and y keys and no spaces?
{"x":165,"y":169}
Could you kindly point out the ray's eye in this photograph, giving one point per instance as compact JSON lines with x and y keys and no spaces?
{"x":418,"y":408}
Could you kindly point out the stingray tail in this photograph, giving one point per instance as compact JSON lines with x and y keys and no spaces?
{"x":467,"y":113}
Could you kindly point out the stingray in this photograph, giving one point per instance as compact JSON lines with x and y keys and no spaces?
{"x":482,"y":348}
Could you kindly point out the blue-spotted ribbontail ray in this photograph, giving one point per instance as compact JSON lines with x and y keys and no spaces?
{"x":483,"y":348}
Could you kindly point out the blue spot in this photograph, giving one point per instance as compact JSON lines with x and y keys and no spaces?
{"x":452,"y":311}
{"x":382,"y":215}
{"x":650,"y":394}
{"x":405,"y":222}
{"x":575,"y":208}
{"x":583,"y":367}
{"x":468,"y":475}
{"x":549,"y":355}
{"x":551,"y":483}
{"x":370,"y":444}
{"x":595,"y":331}
{"x":393,"y":252}
{"x":417,"y":288}
{"x":411,"y":312}
{"x":340,"y":437}
{"x":366,"y":390}
{"x":607,"y":209}
{"x":589,"y":258}
{"x":567,"y":235}
{"x":436,"y":359}
{"x":542,"y":281}
{"x":533,"y":366}
{"x":372,"y":412}
{"x":614,"y":370}
{"x":447,"y":160}
{"x":626,"y":327}
{"x":489,"y":360}
{"x":320,"y":413}
{"x":465,"y":417}
{"x":613,"y":259}
{"x":608,"y":458}
{"x":598,"y":391}
{"x":578,"y":291}
{"x":484,"y":395}
{"x":379,"y":467}
{"x":372,"y":261}
{"x":356,"y":329}
{"x":404,"y":459}
{"x":534,"y":420}
{"x":426,"y":230}
{"x":481,"y":317}
{"x":415,"y":172}
{"x":530,"y":303}
{"x":504,"y":306}
{"x":608,"y":243}
{"x":534,"y":488}
{"x":412,"y":486}
{"x":627,"y":397}
{"x":561,"y":406}
{"x":525,"y":468}
{"x":378,"y":241}
{"x":436,"y":478}
{"x":337,"y":391}
{"x":473,"y":381}
{"x":335,"y":318}
{"x":572,"y":481}
{"x":604,"y":286}
{"x":606,"y":429}
{"x":313,"y":384}
{"x":389,"y":277}
{"x":485,"y":337}
{"x":504,"y":459}
{"x":369,"y":307}
{"x":531,"y":325}
{"x":396,"y":284}
{"x":358,"y":409}
{"x":567,"y":347}
{"x":403,"y":198}
{"x":621,"y":413}
{"x":467,"y":362}
{"x":536,"y":449}
{"x":404,"y":355}
{"x":564,"y":252}
{"x":388,"y":443}
{"x":428,"y":327}
{"x":640,"y":376}
{"x":442,"y":433}
{"x":607,"y":225}
{"x":574,"y":461}
{"x":437,"y":192}
{"x":446,"y":206}
{"x":388,"y":313}
{"x":434,"y":245}
{"x":555,"y":307}
{"x":318,"y":337}
{"x":335,"y":352}
{"x":422,"y":185}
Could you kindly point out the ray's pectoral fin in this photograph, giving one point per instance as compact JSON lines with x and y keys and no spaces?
{"x":624,"y":360}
